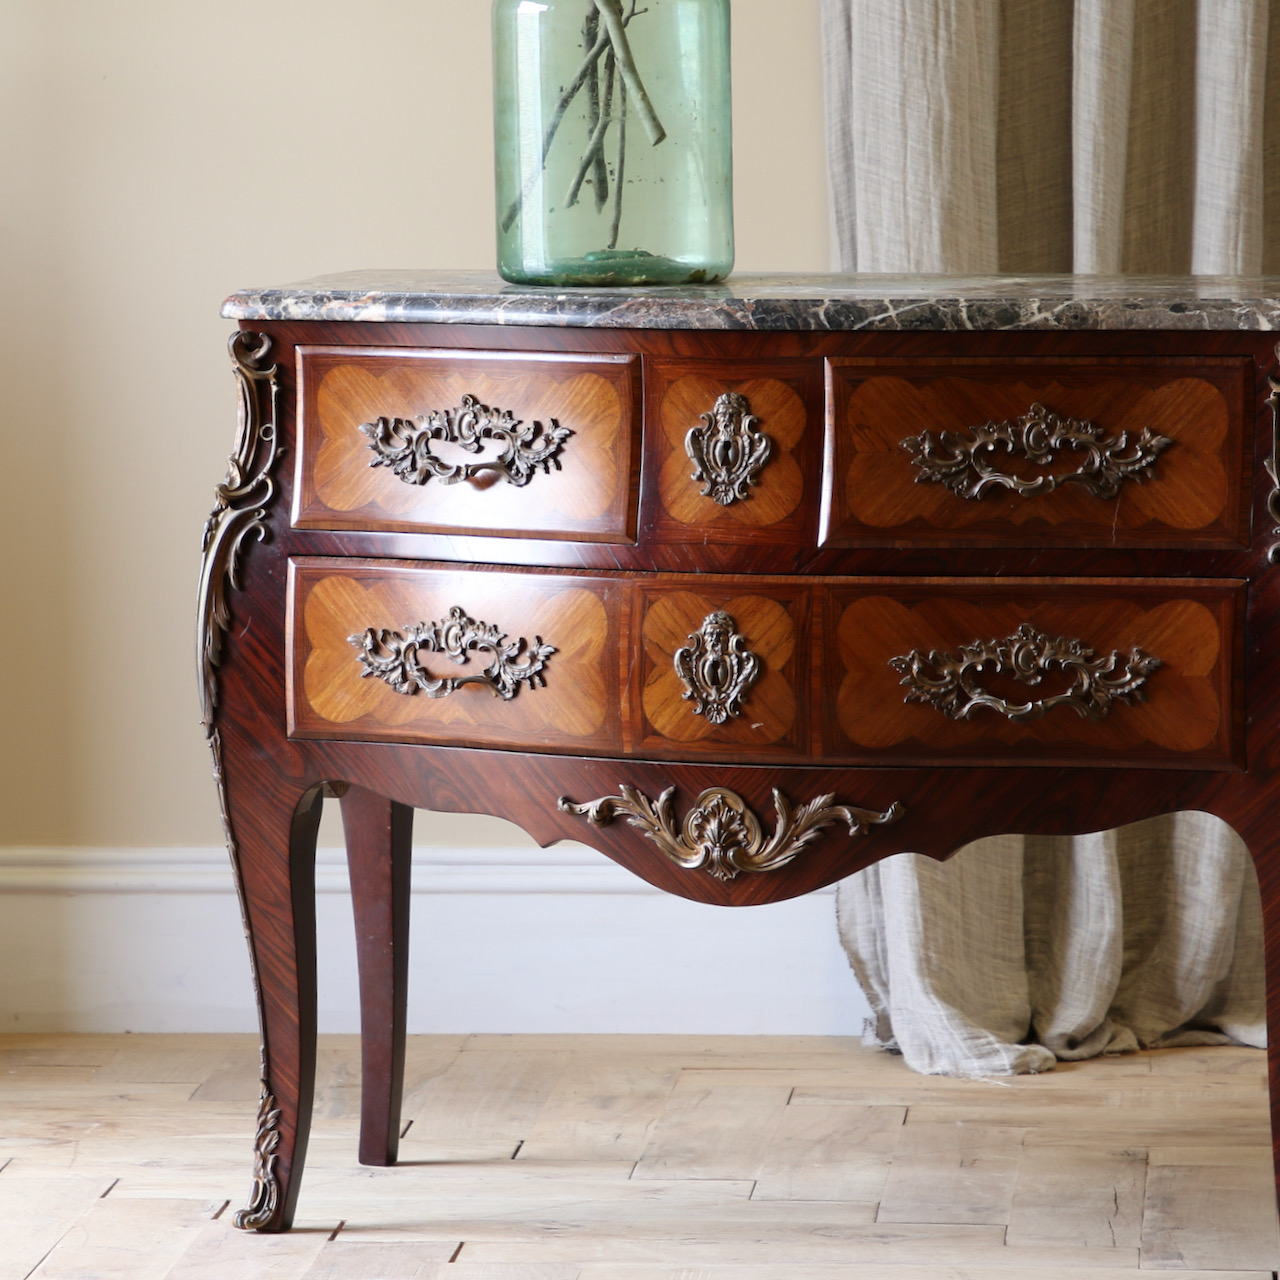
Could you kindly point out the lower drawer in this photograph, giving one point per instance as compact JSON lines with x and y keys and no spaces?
{"x":865,"y":671}
{"x":1130,"y":671}
{"x":394,"y":652}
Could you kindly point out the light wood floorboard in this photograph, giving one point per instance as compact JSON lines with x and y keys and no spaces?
{"x":640,"y":1158}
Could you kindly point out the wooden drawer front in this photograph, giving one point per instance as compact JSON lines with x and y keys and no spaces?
{"x":735,"y":448}
{"x":582,"y":493}
{"x":572,"y":704}
{"x":724,"y":667}
{"x":1183,"y":712}
{"x":1193,"y":494}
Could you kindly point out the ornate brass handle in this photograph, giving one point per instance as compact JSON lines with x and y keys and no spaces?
{"x":716,"y":668}
{"x":404,"y":445}
{"x":392,"y":656}
{"x":950,"y":682}
{"x":721,"y":832}
{"x":728,"y":450}
{"x":965,"y":465}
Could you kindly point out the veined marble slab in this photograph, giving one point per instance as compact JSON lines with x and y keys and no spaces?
{"x":779,"y":302}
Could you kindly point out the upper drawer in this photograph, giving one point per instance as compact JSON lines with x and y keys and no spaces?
{"x":1115,"y":452}
{"x":426,"y":441}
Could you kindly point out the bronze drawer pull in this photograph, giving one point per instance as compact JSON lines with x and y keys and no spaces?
{"x":949,"y":682}
{"x":721,"y":832}
{"x":717,"y":669}
{"x":728,"y":450}
{"x":962,"y":463}
{"x":404,"y":445}
{"x":392,"y":656}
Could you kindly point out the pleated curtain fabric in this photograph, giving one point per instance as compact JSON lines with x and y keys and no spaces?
{"x":976,"y":137}
{"x":969,"y":137}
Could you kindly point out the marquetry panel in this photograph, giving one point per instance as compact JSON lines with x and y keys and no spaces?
{"x":785,"y":397}
{"x":584,"y":493}
{"x":771,"y":618}
{"x":1194,"y":496}
{"x":1183,"y":714}
{"x":574,"y":704}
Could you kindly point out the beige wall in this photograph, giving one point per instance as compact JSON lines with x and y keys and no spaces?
{"x":154,"y":156}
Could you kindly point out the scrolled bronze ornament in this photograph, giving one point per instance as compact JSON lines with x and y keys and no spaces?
{"x":264,"y":1199}
{"x":393,"y":656}
{"x":966,"y":465}
{"x":951,"y":682}
{"x":728,"y":450}
{"x":1272,"y":465}
{"x":721,"y":833}
{"x":242,"y":506}
{"x":404,"y":445}
{"x":717,"y":669}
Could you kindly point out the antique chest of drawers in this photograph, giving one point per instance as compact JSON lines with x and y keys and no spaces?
{"x":746,"y":587}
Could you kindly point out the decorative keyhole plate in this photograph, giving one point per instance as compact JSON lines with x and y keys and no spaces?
{"x":728,"y":450}
{"x":717,"y":669}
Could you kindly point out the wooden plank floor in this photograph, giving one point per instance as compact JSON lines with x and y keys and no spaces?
{"x":640,"y":1158}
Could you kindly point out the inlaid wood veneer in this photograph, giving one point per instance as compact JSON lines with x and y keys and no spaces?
{"x":773,"y":621}
{"x":785,"y":399}
{"x":1182,"y":716}
{"x":1194,"y":496}
{"x":574,"y":704}
{"x":585,"y":493}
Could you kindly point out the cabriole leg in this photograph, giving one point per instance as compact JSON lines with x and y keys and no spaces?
{"x":1269,"y":884}
{"x":272,"y":834}
{"x":378,"y":834}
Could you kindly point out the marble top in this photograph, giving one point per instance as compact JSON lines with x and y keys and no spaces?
{"x":776,"y":302}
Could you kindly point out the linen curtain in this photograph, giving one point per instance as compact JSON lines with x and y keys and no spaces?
{"x":973,"y":137}
{"x":1023,"y":136}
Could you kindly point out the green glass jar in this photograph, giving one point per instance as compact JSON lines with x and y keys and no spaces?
{"x":613,"y":141}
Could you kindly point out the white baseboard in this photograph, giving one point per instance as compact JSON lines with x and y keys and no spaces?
{"x":503,"y":940}
{"x":564,"y":869}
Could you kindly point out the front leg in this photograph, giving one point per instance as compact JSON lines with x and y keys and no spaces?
{"x":271,"y":834}
{"x":378,"y":834}
{"x":1266,"y":852}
